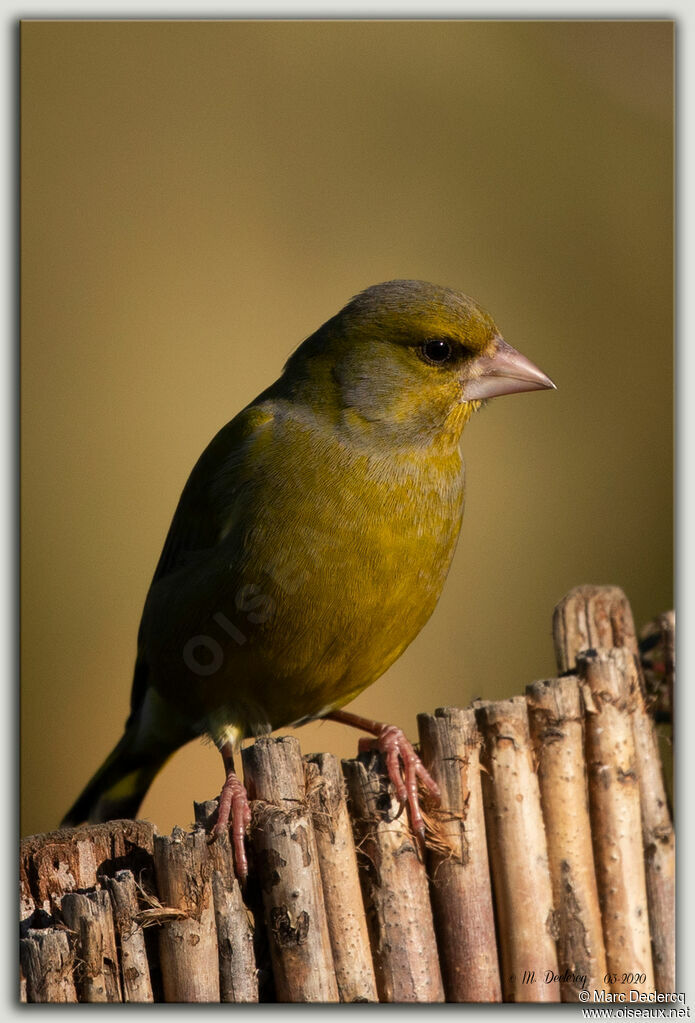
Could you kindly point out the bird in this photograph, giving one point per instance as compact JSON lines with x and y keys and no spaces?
{"x":311,"y":543}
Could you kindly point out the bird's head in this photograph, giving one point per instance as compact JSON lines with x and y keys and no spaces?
{"x":408,"y":362}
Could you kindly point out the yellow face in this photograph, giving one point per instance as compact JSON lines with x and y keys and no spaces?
{"x":395,"y":362}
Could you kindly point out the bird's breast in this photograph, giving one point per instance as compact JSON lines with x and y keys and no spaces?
{"x":341,"y":517}
{"x":351,"y":555}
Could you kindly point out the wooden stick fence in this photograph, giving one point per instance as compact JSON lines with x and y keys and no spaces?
{"x":549,"y":868}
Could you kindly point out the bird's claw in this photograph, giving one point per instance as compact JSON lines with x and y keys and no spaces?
{"x":234,"y":813}
{"x":398,"y":750}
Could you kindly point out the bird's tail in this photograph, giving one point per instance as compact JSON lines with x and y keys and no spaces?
{"x":119,"y":786}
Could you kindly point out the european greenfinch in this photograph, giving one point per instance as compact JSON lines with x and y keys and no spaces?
{"x":311,"y":543}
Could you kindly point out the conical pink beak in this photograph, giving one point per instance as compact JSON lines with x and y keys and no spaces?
{"x":506,"y":371}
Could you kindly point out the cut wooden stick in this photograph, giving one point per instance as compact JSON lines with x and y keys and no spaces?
{"x":68,"y":859}
{"x":135,"y":969}
{"x":238,"y":975}
{"x":589,"y":617}
{"x":600,"y":616}
{"x":89,"y":916}
{"x":394,"y":886}
{"x":300,"y":947}
{"x":518,"y":854}
{"x":557,"y":732}
{"x":47,"y":962}
{"x":461,"y":891}
{"x":274,"y":771}
{"x":657,"y":830}
{"x":286,"y":858}
{"x":237,"y":962}
{"x":187,"y":945}
{"x":342,"y":894}
{"x":614,"y":799}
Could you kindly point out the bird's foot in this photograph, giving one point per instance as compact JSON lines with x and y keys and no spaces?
{"x":234,"y":813}
{"x":404,"y":768}
{"x":403,"y":765}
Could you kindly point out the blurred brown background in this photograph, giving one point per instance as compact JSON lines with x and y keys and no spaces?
{"x":197,"y":197}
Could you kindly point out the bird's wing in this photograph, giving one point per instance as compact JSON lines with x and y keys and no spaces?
{"x":210,"y":503}
{"x":207,"y":506}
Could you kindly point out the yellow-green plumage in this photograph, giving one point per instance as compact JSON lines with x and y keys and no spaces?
{"x":313,"y":538}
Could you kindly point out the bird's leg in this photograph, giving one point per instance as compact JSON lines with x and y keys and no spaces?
{"x":233,"y":807}
{"x":392,"y":742}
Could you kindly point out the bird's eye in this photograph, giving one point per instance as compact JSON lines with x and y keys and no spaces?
{"x":437,"y":352}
